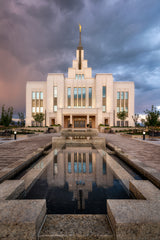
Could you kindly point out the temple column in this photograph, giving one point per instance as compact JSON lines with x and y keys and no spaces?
{"x":70,"y":118}
{"x":87,"y":118}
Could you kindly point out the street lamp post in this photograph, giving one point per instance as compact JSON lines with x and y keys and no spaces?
{"x":15,"y":135}
{"x":144,"y":135}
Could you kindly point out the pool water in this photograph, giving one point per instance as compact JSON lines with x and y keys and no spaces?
{"x":77,"y":180}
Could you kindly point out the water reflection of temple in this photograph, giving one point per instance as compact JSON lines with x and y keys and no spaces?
{"x":79,"y":168}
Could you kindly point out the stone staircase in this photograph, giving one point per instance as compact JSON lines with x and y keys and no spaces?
{"x":86,"y":227}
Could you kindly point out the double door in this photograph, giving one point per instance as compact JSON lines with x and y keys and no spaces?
{"x":79,"y":123}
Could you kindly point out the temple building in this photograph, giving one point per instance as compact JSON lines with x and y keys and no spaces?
{"x":80,"y":100}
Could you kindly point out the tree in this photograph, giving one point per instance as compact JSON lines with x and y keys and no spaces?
{"x":122,"y":115}
{"x":21,"y":118}
{"x":39,"y":117}
{"x":143,"y":121}
{"x":6,"y":116}
{"x":135,"y":119}
{"x":158,"y":123}
{"x":152,"y":116}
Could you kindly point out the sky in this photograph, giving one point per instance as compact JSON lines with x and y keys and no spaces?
{"x":38,"y":37}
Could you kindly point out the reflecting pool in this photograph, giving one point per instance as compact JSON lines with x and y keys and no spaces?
{"x":77,"y":180}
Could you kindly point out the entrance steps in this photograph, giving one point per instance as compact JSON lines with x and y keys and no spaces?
{"x":72,"y":227}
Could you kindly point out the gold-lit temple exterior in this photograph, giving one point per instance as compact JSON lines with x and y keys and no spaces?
{"x":80,"y":100}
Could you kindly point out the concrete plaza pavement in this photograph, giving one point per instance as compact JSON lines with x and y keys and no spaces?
{"x":146,"y":152}
{"x":13,"y":151}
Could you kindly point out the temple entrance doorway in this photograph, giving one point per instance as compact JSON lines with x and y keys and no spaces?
{"x":53,"y":121}
{"x":79,"y":121}
{"x":106,"y":122}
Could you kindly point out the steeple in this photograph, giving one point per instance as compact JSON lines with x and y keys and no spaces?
{"x":80,"y":45}
{"x":79,"y":48}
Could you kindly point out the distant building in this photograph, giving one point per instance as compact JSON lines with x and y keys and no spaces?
{"x":80,"y":99}
{"x":158,"y":108}
{"x":142,"y":119}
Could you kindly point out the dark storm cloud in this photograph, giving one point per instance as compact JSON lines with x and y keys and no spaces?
{"x":119,"y":36}
{"x":69,"y":5}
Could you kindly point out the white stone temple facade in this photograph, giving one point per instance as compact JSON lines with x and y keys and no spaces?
{"x":80,"y":99}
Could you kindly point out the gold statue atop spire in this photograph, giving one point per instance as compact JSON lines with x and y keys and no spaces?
{"x":80,"y":27}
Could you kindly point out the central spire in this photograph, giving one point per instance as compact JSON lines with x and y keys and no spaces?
{"x":80,"y":45}
{"x":79,"y":48}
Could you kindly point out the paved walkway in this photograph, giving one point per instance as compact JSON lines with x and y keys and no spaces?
{"x":149,"y":154}
{"x":11,"y":152}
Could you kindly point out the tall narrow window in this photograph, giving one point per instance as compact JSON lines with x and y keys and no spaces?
{"x":90,"y":97}
{"x":41,"y":103}
{"x":104,"y":166}
{"x":118,"y":123}
{"x":37,"y":95}
{"x":69,"y":97}
{"x":75,"y":97}
{"x":118,"y":95}
{"x":79,"y":163}
{"x":90,"y":162}
{"x":55,"y":99}
{"x":122,"y":101}
{"x":33,"y":102}
{"x":84,"y":162}
{"x":122,"y":95}
{"x":69,"y":163}
{"x":79,"y":97}
{"x":75,"y":163}
{"x":126,"y":95}
{"x":55,"y":91}
{"x":126,"y":102}
{"x":122,"y":123}
{"x":104,"y":91}
{"x":118,"y":102}
{"x":84,"y":97}
{"x":33,"y":95}
{"x":41,"y":95}
{"x":104,"y":98}
{"x":126,"y":123}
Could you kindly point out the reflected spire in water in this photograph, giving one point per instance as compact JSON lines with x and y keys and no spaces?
{"x":79,"y":168}
{"x":78,"y":180}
